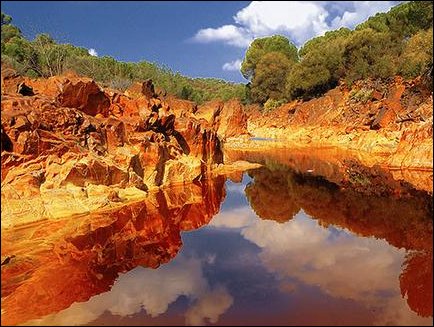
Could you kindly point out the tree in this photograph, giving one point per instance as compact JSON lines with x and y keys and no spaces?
{"x":321,"y":65}
{"x":320,"y":41}
{"x":6,"y":19}
{"x":417,"y":56}
{"x":260,"y":47}
{"x":371,"y":54}
{"x":402,"y":20}
{"x":270,"y":77}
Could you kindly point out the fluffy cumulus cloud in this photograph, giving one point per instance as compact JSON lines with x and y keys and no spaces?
{"x":343,"y":266}
{"x":233,"y":65}
{"x":93,"y":52}
{"x":229,"y":34}
{"x":209,"y":307}
{"x":298,"y":20}
{"x":236,"y":218}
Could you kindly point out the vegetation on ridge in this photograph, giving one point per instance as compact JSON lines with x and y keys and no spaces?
{"x":397,"y":42}
{"x":43,"y":57}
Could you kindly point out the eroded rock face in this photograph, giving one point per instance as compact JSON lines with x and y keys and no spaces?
{"x":81,"y":136}
{"x":390,"y":121}
{"x":74,"y":92}
{"x":75,"y":258}
{"x":138,"y":89}
{"x":228,"y":118}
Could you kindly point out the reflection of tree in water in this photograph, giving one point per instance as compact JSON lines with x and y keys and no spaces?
{"x":270,"y":196}
{"x":416,"y":282}
{"x":398,"y":214}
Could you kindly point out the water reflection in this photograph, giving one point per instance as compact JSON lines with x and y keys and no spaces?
{"x":296,"y":242}
{"x":395,"y":212}
{"x":57,"y":263}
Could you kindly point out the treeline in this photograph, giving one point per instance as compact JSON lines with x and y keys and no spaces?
{"x":43,"y":57}
{"x":398,"y":42}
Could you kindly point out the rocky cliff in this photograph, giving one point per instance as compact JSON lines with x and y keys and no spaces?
{"x":71,"y":147}
{"x":390,"y":122}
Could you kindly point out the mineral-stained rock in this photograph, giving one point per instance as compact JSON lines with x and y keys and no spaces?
{"x":385,"y":122}
{"x":138,"y":89}
{"x":83,"y":138}
{"x":228,"y":118}
{"x":10,"y":80}
{"x":74,"y":92}
{"x":181,"y":107}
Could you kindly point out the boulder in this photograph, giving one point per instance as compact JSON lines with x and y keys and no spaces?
{"x":139,"y":89}
{"x":74,"y":92}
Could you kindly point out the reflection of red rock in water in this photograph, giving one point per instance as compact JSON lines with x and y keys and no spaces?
{"x":416,"y":282}
{"x":60,"y":262}
{"x":396,"y":212}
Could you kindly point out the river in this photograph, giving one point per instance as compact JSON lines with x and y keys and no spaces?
{"x":298,"y":241}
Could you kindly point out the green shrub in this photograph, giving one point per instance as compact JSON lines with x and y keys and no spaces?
{"x":272,"y":104}
{"x":363,"y":95}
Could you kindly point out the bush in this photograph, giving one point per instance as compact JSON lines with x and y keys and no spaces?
{"x":272,"y":104}
{"x":363,"y":95}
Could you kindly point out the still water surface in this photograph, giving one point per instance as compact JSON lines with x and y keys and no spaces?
{"x":271,"y":246}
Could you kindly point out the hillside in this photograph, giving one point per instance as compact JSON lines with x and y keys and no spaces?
{"x":44,"y":57}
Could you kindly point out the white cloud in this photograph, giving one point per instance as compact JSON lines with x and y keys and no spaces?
{"x":343,"y":266}
{"x":229,"y":34}
{"x":356,"y":268}
{"x":93,"y":52}
{"x":233,"y":65}
{"x":362,"y":10}
{"x":297,"y":20}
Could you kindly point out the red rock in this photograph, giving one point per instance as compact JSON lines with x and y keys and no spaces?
{"x":180,"y":107}
{"x":115,"y":133}
{"x":95,"y":171}
{"x":138,"y":89}
{"x":10,"y":80}
{"x":228,"y":119}
{"x":74,"y":92}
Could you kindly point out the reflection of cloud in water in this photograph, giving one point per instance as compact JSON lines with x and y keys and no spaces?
{"x":152,"y":290}
{"x":342,"y":265}
{"x":210,"y":306}
{"x":235,"y":218}
{"x":396,"y":311}
{"x":235,"y":187}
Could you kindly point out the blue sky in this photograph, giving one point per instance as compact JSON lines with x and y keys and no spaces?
{"x":196,"y":38}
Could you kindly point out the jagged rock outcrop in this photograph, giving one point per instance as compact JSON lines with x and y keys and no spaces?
{"x":76,"y":135}
{"x":228,"y":118}
{"x":72,"y":91}
{"x":138,"y":89}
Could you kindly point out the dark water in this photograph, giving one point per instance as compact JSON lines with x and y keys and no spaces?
{"x":273,"y":246}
